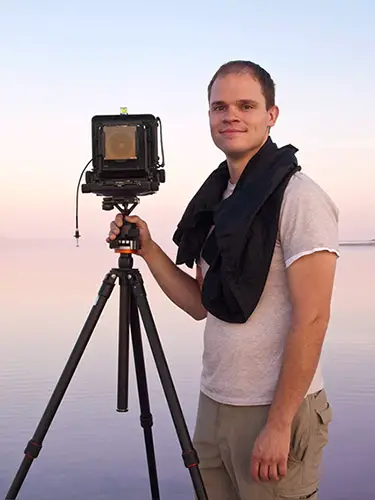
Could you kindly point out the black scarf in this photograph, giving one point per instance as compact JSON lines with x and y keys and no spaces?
{"x":240,"y":248}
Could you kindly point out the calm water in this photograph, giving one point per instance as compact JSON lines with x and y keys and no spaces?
{"x":91,"y":451}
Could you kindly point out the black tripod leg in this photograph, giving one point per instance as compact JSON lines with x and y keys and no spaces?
{"x":35,"y":444}
{"x":189,"y":454}
{"x":144,"y":404}
{"x":123,"y":346}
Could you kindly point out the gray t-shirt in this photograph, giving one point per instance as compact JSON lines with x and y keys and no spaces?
{"x":241,"y":362}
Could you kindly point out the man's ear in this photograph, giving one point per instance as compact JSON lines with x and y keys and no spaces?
{"x":273,"y":116}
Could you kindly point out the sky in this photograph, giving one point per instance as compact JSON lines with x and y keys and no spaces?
{"x":64,"y":62}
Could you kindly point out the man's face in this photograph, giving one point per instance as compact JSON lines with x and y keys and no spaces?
{"x":239,"y":119}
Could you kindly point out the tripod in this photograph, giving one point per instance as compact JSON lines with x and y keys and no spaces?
{"x":133,"y":300}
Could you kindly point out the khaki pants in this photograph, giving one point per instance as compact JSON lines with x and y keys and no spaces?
{"x":224,"y":438}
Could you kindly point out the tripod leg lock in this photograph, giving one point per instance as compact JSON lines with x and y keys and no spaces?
{"x":190,"y":458}
{"x":32,"y":449}
{"x":147,"y":420}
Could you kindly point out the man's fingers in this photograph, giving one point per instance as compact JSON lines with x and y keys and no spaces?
{"x":119,"y":220}
{"x":264,"y":471}
{"x":273,"y":472}
{"x":114,"y":227}
{"x":254,"y":470}
{"x":282,"y":467}
{"x":114,"y":230}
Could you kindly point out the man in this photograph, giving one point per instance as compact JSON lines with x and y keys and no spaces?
{"x":263,"y":412}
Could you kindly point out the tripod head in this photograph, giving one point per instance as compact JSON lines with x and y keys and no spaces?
{"x":127,"y":241}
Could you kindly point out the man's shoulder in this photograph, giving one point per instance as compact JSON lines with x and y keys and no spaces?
{"x":304,"y":190}
{"x":300,"y":182}
{"x":309,"y":219}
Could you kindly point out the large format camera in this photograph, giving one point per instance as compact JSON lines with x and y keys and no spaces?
{"x":125,"y":156}
{"x":125,"y":165}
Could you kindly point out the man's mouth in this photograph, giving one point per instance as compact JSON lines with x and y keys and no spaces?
{"x":232,"y":131}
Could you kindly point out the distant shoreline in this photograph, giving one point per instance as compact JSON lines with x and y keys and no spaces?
{"x":357,"y":243}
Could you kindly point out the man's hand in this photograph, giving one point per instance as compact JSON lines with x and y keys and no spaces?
{"x":270,"y":453}
{"x":147,"y":244}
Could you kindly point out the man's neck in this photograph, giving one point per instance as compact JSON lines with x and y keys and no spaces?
{"x":237,"y":165}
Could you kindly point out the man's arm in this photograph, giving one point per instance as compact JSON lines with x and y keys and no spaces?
{"x":308,"y":222}
{"x":310,"y":281}
{"x":181,"y":288}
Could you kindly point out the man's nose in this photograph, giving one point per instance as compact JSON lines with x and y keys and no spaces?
{"x":230,"y":115}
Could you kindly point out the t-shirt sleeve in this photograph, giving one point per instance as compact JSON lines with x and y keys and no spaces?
{"x":308,"y":220}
